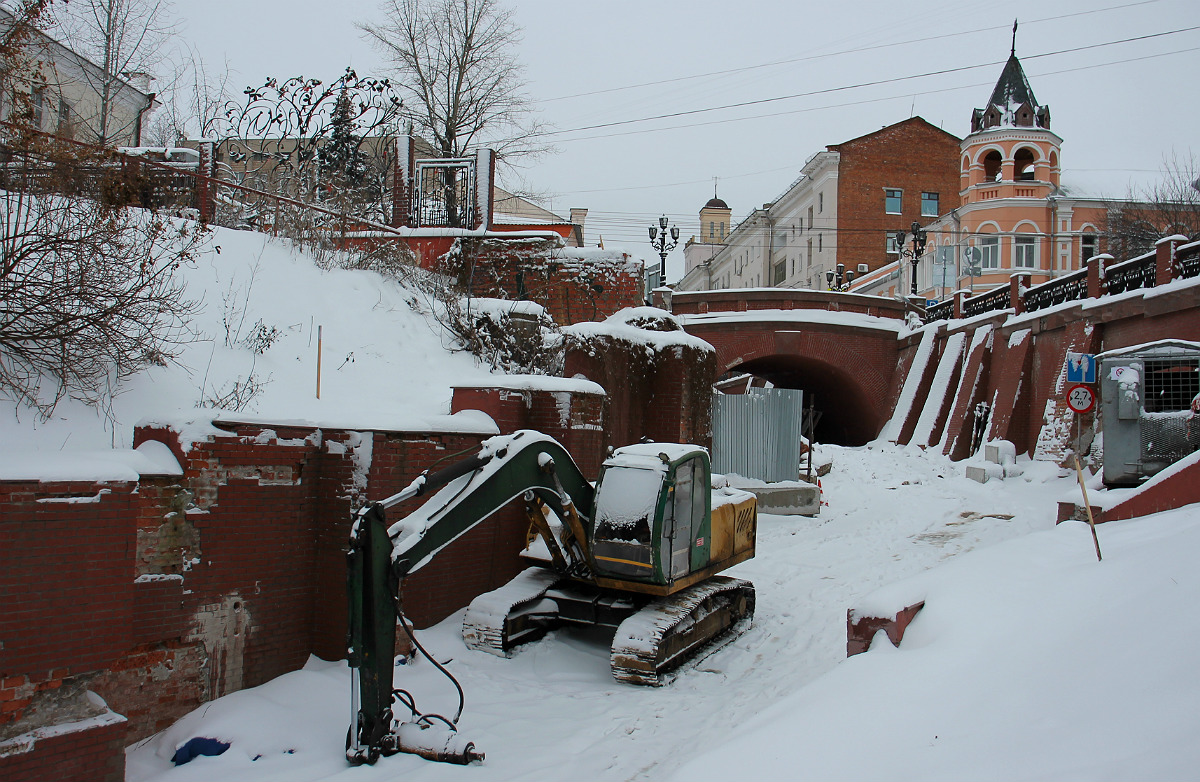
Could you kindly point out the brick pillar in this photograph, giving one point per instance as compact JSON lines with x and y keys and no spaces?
{"x":206,"y":191}
{"x":1017,"y":283}
{"x":1095,"y":274}
{"x":1164,"y":258}
{"x":402,"y":169}
{"x":960,"y":303}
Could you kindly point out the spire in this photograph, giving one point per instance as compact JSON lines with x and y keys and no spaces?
{"x":1012,"y":103}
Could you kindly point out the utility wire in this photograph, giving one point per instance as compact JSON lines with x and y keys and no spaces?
{"x":860,"y":85}
{"x":857,"y":50}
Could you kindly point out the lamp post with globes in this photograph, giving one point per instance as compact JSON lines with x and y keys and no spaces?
{"x":919,"y":238}
{"x":662,"y":245}
{"x":840,"y":280}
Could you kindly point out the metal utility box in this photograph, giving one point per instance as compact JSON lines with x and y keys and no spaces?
{"x":1150,"y":400}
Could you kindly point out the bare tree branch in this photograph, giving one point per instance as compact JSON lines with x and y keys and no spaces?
{"x":464,"y":87}
{"x":1170,"y":206}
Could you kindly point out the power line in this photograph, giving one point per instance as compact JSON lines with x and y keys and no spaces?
{"x":860,"y":85}
{"x":857,"y":50}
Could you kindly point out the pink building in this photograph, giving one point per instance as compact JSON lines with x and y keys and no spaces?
{"x":1013,"y":216}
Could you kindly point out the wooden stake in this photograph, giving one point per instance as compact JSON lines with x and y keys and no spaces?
{"x":1086,"y":505}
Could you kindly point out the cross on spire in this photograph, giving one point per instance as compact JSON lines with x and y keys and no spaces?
{"x":1013,"y":51}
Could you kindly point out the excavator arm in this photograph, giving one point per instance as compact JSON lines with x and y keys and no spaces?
{"x":525,"y":464}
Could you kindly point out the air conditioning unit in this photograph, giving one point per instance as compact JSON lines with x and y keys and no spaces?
{"x":863,"y":268}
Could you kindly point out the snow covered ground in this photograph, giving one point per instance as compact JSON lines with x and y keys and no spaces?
{"x":1030,"y":661}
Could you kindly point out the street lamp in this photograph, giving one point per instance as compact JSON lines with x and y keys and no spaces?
{"x":661,"y":245}
{"x":918,"y":242}
{"x":841,"y":274}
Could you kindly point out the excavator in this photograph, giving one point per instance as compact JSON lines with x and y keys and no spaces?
{"x":638,"y":552}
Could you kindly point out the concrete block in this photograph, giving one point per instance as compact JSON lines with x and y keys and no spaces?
{"x":787,"y":498}
{"x":1000,"y":452}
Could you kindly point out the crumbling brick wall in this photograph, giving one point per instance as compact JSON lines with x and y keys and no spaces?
{"x":573,"y":284}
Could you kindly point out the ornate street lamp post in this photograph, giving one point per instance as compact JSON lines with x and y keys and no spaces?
{"x":843,"y":278}
{"x":661,"y":245}
{"x":919,"y":238}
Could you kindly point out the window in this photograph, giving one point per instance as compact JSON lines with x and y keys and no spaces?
{"x":1091,"y":246}
{"x":819,"y":243}
{"x":1025,"y":249}
{"x":780,"y":272}
{"x":891,"y":242}
{"x":929,"y":205}
{"x":37,"y":96}
{"x":1023,"y":165}
{"x":891,"y":200}
{"x":992,"y":163}
{"x":809,"y":253}
{"x":64,"y":115}
{"x":989,"y":246}
{"x":820,"y":202}
{"x":810,"y":214}
{"x":712,"y":230}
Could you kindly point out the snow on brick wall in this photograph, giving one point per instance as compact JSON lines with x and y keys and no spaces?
{"x":935,"y":401}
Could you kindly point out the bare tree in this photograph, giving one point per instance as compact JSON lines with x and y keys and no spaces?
{"x":125,"y":38}
{"x":193,"y":101}
{"x":459,"y":75}
{"x":1169,"y":206}
{"x":88,"y":295}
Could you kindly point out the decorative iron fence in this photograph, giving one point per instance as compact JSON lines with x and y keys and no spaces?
{"x":444,"y":193}
{"x":1069,"y":287}
{"x":994,"y":300}
{"x":1130,"y":275}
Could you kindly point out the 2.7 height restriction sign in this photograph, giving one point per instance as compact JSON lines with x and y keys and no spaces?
{"x":1081,"y":398}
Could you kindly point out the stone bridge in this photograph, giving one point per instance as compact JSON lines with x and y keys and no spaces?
{"x":882,"y":368}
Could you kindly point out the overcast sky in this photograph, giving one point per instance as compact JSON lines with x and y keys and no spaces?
{"x":1119,"y":107}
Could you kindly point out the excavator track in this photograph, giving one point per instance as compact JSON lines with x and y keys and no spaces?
{"x":670,"y":630}
{"x":517,"y":612}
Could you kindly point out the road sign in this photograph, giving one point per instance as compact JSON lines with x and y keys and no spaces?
{"x":931,"y":303}
{"x":1081,"y":368}
{"x":1081,"y":398}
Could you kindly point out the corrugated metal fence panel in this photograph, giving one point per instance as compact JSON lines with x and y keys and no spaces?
{"x":758,"y":434}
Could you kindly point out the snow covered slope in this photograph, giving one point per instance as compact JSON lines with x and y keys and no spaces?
{"x":384,"y":364}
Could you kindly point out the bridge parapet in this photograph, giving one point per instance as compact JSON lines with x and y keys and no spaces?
{"x":1173,"y":258}
{"x":748,"y":299}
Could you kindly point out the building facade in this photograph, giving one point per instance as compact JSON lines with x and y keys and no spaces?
{"x":71,"y":96}
{"x":842,"y":208}
{"x":1012,"y":215}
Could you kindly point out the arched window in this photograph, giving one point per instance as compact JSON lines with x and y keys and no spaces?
{"x":1023,"y":164}
{"x":991,"y":166}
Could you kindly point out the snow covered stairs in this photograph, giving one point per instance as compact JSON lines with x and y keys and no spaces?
{"x":999,"y":461}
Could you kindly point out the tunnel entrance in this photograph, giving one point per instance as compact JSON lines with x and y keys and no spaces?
{"x":845,"y":415}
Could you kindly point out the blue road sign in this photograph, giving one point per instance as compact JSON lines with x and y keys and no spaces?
{"x":1081,"y":368}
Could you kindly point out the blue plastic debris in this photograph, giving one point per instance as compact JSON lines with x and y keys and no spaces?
{"x":196,"y":747}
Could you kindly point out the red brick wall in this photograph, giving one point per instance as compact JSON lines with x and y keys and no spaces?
{"x":663,"y":394}
{"x":911,"y":155}
{"x":95,"y":754}
{"x":572,"y":287}
{"x":164,"y":595}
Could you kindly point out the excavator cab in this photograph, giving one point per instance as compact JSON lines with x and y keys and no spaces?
{"x":652,"y":520}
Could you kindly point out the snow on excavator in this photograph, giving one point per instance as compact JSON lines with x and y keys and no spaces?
{"x":638,"y":553}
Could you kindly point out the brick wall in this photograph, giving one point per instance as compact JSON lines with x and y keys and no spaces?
{"x":664,"y":393}
{"x":573,"y":285}
{"x":913,"y":156}
{"x":162,"y":595}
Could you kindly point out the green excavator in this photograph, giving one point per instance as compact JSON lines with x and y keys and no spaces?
{"x":639,"y":553}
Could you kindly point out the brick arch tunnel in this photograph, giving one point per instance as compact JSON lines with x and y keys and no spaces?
{"x":847,"y":414}
{"x":847,"y":364}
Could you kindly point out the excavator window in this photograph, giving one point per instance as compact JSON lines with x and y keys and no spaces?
{"x":625,"y":504}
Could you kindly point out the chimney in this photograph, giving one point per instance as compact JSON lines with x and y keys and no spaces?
{"x":139,"y":80}
{"x":579,"y":217}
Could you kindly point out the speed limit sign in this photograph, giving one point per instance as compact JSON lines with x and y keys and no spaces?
{"x":1080,"y":398}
